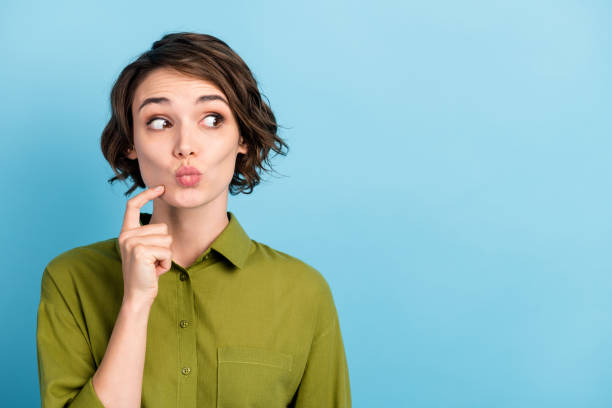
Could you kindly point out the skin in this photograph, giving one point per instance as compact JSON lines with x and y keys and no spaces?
{"x":145,"y":255}
{"x":186,"y":134}
{"x":184,"y":222}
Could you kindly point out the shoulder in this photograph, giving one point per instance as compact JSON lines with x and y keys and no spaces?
{"x":82,"y":263}
{"x":84,"y":256}
{"x":305,"y":282}
{"x":288,"y":267}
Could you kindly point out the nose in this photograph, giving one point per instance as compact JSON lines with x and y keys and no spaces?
{"x":185,"y":146}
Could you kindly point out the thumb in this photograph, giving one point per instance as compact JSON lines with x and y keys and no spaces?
{"x":163,"y":267}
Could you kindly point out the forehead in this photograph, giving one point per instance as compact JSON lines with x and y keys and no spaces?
{"x":169,"y":82}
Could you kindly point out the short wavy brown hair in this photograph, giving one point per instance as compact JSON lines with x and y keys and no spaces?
{"x":205,"y":57}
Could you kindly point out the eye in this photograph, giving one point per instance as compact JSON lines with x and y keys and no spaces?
{"x":158,"y":120}
{"x":214,"y":120}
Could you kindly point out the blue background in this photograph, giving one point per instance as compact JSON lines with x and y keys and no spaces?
{"x":449,"y":174}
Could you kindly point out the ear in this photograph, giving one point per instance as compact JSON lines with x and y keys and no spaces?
{"x":242,"y":146}
{"x":131,"y":154}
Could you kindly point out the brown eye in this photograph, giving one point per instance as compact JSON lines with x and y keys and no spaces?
{"x":213,"y":120}
{"x":157,"y":120}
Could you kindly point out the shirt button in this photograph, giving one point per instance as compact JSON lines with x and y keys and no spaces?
{"x":184,"y":276}
{"x":184,"y":323}
{"x":186,"y":370}
{"x":206,"y":256}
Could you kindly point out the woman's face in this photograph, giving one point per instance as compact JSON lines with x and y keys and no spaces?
{"x":184,"y":121}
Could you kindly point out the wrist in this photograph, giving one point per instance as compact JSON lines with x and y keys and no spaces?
{"x":136,"y":304}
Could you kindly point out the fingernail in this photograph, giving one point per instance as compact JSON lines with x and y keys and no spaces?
{"x":159,"y":188}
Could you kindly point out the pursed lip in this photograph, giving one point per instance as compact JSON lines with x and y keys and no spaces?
{"x":187,"y":171}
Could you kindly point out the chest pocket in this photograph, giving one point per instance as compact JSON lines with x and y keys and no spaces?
{"x":249,"y":377}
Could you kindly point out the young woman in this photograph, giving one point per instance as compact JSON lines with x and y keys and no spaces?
{"x":183,"y":308}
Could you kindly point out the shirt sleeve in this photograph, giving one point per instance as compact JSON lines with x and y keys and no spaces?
{"x":65,"y":362}
{"x":325,"y":381}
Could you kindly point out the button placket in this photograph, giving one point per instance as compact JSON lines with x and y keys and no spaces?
{"x":187,"y":339}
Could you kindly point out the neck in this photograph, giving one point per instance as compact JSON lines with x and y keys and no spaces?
{"x":192,"y":229}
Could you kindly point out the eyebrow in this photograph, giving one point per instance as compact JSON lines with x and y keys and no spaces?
{"x":203,"y":98}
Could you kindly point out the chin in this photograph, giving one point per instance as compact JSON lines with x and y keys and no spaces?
{"x":185,"y":197}
{"x":190,"y":197}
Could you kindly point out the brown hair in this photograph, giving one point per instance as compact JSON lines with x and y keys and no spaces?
{"x":206,"y":57}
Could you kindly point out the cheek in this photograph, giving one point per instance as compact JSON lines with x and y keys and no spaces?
{"x":150,"y":165}
{"x":151,"y":151}
{"x":220,"y":166}
{"x":228,"y":166}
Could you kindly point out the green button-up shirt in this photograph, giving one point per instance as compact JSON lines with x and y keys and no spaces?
{"x":244,"y":326}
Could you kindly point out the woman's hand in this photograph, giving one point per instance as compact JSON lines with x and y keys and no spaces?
{"x":145,"y":250}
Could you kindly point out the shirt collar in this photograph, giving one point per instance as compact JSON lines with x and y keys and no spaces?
{"x":233,"y":242}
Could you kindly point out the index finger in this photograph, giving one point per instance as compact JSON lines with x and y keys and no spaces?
{"x":131,"y":219}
